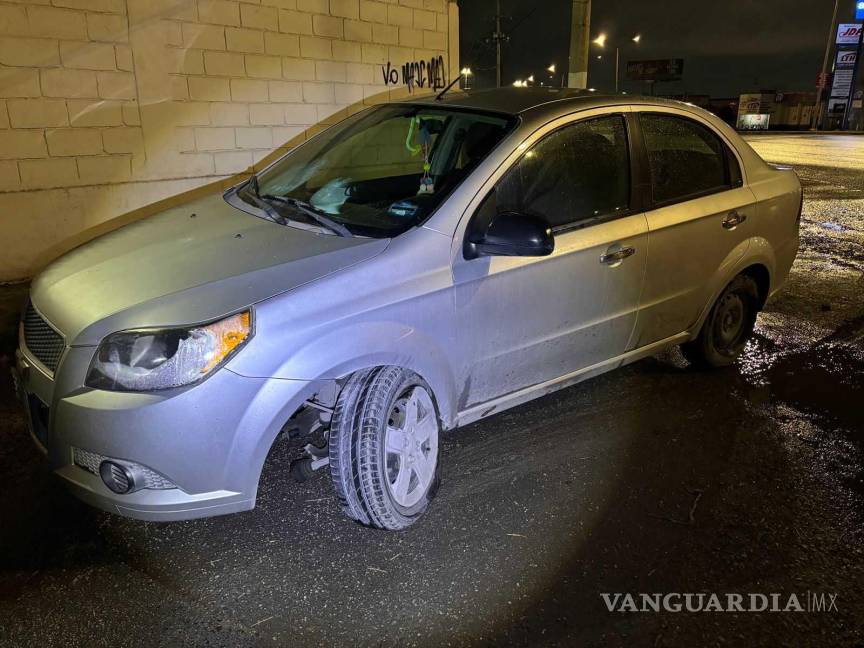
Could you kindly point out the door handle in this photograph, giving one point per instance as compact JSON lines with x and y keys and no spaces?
{"x":611,"y":258}
{"x":733,"y":219}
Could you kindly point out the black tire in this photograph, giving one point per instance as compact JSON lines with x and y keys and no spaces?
{"x":358,"y":463}
{"x":728,"y":327}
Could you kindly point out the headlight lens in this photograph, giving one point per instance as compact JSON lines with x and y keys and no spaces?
{"x":147,"y":360}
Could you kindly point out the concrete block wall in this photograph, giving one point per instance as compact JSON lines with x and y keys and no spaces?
{"x":111,"y":106}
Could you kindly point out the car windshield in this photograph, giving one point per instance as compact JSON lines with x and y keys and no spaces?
{"x":381,"y":171}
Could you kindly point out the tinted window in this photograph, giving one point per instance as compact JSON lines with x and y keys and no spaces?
{"x":577,"y":173}
{"x":685,"y":157}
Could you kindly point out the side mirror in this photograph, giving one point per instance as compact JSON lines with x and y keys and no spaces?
{"x":512,"y":234}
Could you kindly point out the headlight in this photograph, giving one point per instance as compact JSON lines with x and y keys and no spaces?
{"x":147,"y":360}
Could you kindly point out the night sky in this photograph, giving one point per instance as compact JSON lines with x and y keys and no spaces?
{"x":729,"y":46}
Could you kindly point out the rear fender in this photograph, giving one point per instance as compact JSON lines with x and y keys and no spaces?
{"x":754,"y":251}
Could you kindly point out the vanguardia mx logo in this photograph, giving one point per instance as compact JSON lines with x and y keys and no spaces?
{"x":730,"y":602}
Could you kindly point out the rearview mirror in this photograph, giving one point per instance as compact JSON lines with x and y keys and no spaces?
{"x":512,"y":234}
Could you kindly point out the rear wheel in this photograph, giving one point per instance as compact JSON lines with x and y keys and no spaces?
{"x":728,"y":327}
{"x":384,"y":447}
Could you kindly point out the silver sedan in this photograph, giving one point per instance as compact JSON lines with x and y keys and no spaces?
{"x":417,"y":267}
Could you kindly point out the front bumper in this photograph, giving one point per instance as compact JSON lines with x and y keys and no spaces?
{"x":210,"y":440}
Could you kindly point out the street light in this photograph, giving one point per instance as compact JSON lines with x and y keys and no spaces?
{"x":552,"y":69}
{"x":600,"y":41}
{"x":466,"y":72}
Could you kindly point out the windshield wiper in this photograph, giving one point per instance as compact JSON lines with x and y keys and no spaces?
{"x":312,"y":212}
{"x":262,"y":204}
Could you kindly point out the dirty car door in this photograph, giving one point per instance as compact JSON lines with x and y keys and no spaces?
{"x":523,"y":321}
{"x":702,"y":216}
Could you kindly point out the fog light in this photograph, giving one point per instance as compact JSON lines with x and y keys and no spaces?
{"x":117,"y":477}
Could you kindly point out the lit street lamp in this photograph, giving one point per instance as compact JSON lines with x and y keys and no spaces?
{"x":552,"y":69}
{"x":600,"y":41}
{"x":466,"y":73}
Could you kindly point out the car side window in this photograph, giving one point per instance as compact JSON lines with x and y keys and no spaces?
{"x":686,"y":159}
{"x":576,"y":173}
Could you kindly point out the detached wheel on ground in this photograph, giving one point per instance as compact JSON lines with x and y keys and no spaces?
{"x":384,"y":447}
{"x":728,"y":326}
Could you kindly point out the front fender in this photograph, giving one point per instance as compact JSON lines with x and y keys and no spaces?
{"x":344,"y":350}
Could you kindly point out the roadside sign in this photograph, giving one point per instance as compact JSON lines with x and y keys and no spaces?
{"x":859,"y":11}
{"x":846,"y":59}
{"x":749,"y":104}
{"x":660,"y":70}
{"x":849,"y":34}
{"x":753,"y":122}
{"x":842,"y":86}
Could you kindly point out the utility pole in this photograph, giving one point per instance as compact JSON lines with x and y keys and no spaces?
{"x":817,"y":112}
{"x":580,"y":28}
{"x":498,"y":38}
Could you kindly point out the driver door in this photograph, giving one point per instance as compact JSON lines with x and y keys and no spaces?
{"x":524,"y":321}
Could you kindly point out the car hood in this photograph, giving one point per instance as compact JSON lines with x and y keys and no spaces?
{"x":186,"y":265}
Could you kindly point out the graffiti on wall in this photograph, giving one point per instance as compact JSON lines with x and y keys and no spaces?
{"x":416,"y":74}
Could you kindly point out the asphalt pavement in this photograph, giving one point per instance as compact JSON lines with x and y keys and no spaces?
{"x":653,"y":479}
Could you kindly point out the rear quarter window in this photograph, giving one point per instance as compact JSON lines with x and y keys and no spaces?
{"x":685,"y":158}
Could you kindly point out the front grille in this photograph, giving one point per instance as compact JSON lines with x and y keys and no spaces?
{"x":90,"y":461}
{"x":42,"y":340}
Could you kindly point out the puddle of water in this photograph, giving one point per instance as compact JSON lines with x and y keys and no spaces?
{"x":833,"y":227}
{"x":825,"y":379}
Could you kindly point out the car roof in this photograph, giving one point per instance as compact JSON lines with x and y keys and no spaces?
{"x":517,"y":101}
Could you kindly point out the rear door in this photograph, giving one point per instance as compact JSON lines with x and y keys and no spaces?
{"x":700,"y":218}
{"x":524,"y":321}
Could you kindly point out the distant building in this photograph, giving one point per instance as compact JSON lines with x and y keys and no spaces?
{"x":774,"y":110}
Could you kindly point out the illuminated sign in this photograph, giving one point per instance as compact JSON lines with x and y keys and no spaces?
{"x":754,"y":122}
{"x":859,"y":11}
{"x":849,"y":34}
{"x":842,"y":85}
{"x":846,"y":58}
{"x":749,"y":104}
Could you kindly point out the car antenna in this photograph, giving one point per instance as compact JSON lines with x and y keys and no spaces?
{"x":447,"y":89}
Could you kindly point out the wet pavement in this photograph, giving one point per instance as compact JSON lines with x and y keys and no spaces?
{"x":654,"y":478}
